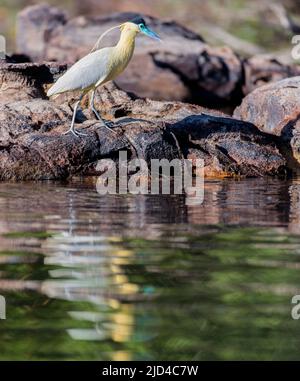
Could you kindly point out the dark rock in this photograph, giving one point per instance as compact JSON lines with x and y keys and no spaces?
{"x":260,"y":71}
{"x":228,"y":146}
{"x":32,"y":144}
{"x":275,"y":109}
{"x":26,"y":80}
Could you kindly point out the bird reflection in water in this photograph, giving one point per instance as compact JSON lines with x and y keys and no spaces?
{"x":91,"y":269}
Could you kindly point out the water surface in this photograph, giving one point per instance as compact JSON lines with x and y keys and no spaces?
{"x":90,"y":277}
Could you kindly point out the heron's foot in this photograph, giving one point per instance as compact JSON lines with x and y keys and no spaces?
{"x":104,"y":123}
{"x":75,"y":133}
{"x":107,"y":125}
{"x":110,"y":129}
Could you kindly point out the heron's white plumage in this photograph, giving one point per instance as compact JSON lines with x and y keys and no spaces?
{"x":84,"y":74}
{"x":99,"y":67}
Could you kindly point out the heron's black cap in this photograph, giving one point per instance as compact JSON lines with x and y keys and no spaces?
{"x":138,"y":21}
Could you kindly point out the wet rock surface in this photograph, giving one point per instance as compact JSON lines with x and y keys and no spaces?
{"x":33,"y":146}
{"x":182,"y":68}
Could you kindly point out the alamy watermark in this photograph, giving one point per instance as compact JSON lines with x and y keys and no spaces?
{"x":295,"y":312}
{"x":296,"y":49}
{"x":166,"y":177}
{"x":2,"y":47}
{"x":2,"y":308}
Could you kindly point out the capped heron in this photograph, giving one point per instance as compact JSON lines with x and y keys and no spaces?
{"x":101,"y":66}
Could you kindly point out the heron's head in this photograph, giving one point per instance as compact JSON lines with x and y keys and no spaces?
{"x":139,"y":25}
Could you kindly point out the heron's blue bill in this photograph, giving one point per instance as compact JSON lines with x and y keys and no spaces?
{"x":148,"y":32}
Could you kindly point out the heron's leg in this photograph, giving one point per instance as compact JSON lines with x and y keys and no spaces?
{"x":72,"y":129}
{"x":98,"y":116}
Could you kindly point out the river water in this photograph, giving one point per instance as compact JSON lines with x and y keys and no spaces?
{"x":90,"y":277}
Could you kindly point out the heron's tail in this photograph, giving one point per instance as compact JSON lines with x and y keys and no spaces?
{"x":51,"y":91}
{"x":54,"y":90}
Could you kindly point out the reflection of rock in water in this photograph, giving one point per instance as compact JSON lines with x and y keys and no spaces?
{"x":294,"y":209}
{"x":125,"y":273}
{"x":253,"y":202}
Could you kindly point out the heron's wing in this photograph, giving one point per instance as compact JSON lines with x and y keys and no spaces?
{"x":88,"y":71}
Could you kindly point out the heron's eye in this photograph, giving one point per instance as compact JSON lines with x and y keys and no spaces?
{"x":142,"y":26}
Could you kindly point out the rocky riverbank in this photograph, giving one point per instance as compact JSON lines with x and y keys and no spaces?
{"x":260,"y":139}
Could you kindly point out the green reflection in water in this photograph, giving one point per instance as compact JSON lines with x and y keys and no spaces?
{"x":202,"y":293}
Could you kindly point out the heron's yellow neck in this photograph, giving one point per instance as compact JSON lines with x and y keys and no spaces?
{"x":122,"y":52}
{"x":126,"y":44}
